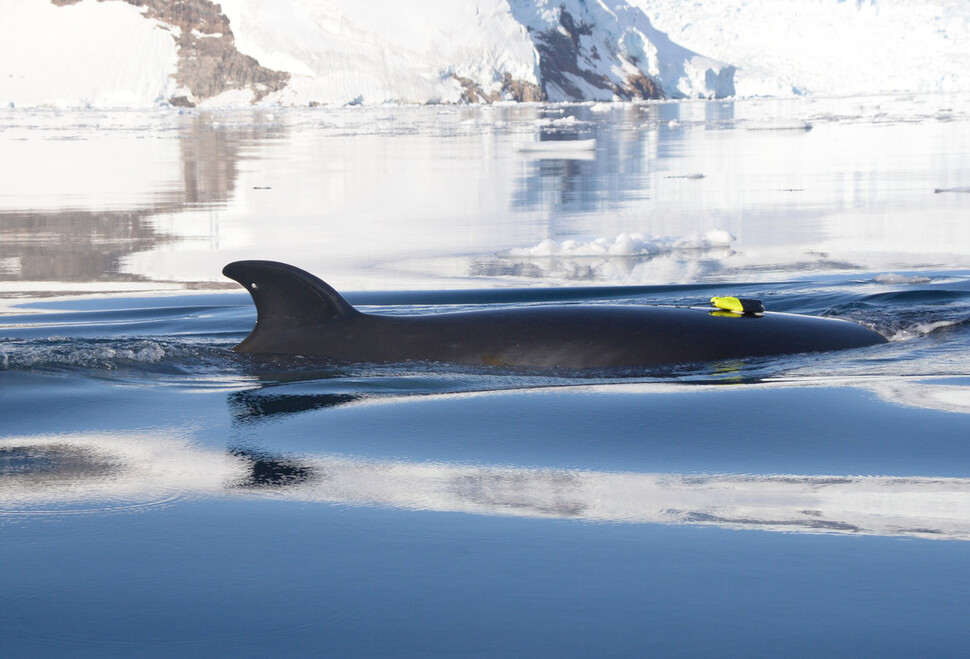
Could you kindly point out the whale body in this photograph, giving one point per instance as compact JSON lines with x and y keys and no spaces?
{"x":299,"y":314}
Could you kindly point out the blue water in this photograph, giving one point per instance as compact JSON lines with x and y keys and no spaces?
{"x":162,"y":495}
{"x":267,"y":565}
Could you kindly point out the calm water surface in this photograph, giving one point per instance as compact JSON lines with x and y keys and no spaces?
{"x":161,"y":495}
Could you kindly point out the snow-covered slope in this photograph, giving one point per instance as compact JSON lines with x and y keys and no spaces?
{"x":342,"y":51}
{"x":301,"y":52}
{"x":347,"y":51}
{"x":92,"y":54}
{"x":826,"y":47}
{"x":603,"y":50}
{"x":141,"y":53}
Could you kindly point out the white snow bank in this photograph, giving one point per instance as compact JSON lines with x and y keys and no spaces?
{"x":92,"y":54}
{"x":826,"y":47}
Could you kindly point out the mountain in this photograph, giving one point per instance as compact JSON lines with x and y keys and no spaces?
{"x":144,"y":53}
{"x":827,"y":47}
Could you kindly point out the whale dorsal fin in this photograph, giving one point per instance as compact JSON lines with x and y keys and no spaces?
{"x":287,"y":297}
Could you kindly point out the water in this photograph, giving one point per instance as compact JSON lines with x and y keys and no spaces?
{"x":160,"y":494}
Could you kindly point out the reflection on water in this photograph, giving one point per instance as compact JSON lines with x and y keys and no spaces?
{"x":435,"y":503}
{"x":253,"y":406}
{"x":72,"y":472}
{"x":38,"y":473}
{"x":75,"y":244}
{"x":172,"y":197}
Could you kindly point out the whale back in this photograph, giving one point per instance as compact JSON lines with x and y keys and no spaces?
{"x":299,"y":314}
{"x":287,"y":299}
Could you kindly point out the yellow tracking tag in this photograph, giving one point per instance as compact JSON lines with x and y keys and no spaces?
{"x":728,"y":303}
{"x":738,"y":305}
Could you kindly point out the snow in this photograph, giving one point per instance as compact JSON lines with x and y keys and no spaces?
{"x":110,"y":54}
{"x":341,"y":51}
{"x":826,"y":47}
{"x":622,"y":29}
{"x":92,"y":54}
{"x":628,"y":244}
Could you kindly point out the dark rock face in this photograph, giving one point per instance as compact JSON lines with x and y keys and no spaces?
{"x":566,"y":61}
{"x":513,"y":90}
{"x":209,"y":63}
{"x":640,"y":86}
{"x":519,"y":90}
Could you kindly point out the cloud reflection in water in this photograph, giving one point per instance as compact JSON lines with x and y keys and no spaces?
{"x":65,"y":473}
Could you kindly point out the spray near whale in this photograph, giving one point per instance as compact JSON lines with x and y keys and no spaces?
{"x":299,"y":314}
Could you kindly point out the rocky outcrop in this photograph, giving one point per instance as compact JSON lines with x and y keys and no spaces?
{"x":570,"y":63}
{"x":511,"y":90}
{"x":609,"y":50}
{"x":209,"y":63}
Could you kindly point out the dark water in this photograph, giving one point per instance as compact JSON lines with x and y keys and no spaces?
{"x":162,"y":495}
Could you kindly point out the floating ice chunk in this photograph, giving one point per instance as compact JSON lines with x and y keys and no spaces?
{"x":547,"y":247}
{"x":561,"y":122}
{"x":628,"y":244}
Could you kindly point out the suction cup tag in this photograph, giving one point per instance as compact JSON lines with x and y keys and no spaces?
{"x":738,"y":305}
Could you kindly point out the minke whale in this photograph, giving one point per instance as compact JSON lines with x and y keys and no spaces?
{"x":299,"y":314}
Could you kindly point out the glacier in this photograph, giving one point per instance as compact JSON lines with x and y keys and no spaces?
{"x":151,"y":53}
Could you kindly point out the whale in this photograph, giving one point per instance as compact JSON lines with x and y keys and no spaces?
{"x":299,"y":314}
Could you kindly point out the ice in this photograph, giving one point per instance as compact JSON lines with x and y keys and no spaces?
{"x":826,"y":47}
{"x":92,"y":54}
{"x":628,"y":244}
{"x":339,"y":52}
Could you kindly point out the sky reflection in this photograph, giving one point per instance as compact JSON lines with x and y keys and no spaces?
{"x":92,"y":472}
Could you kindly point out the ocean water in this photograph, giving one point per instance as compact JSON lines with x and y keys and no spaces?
{"x":161,"y":494}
